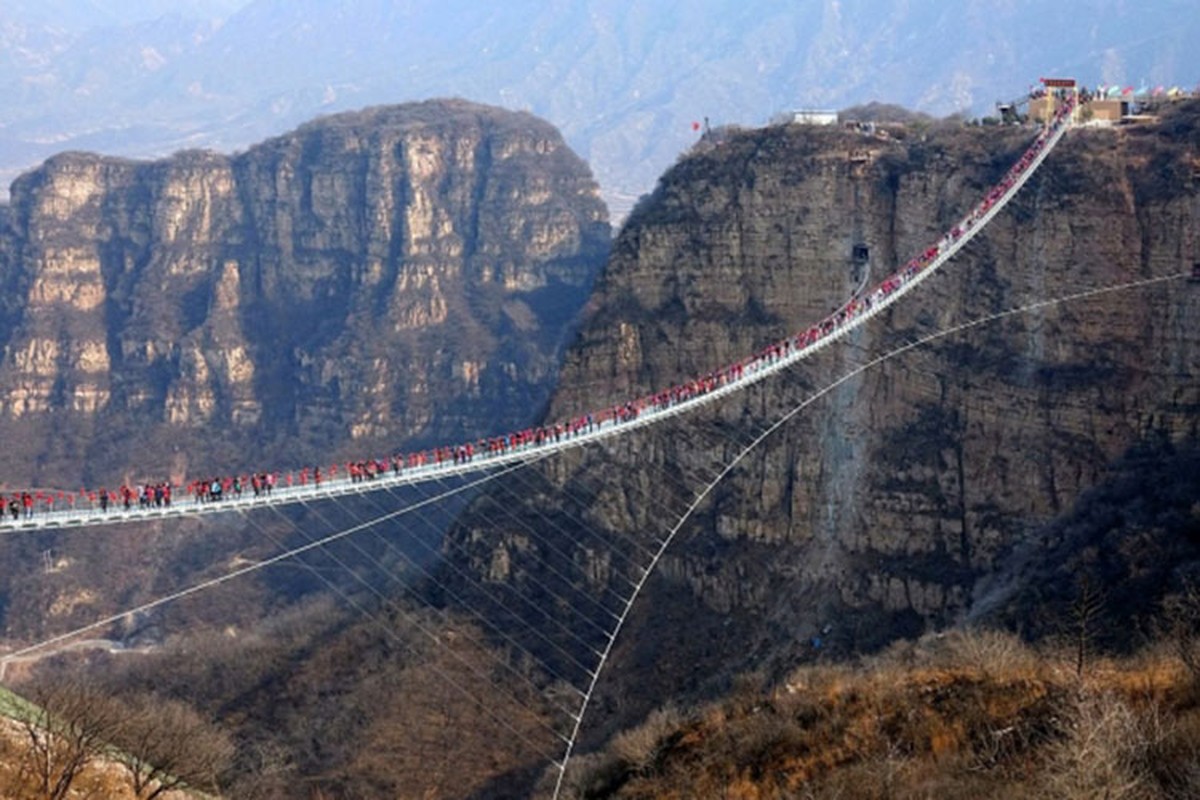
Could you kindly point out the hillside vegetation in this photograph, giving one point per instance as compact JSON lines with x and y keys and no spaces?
{"x":75,"y":740}
{"x":964,"y":715}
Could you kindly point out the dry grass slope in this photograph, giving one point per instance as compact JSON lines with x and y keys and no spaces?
{"x":965,"y":715}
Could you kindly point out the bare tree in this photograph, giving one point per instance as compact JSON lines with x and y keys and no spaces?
{"x":168,"y":745}
{"x":69,"y":726}
{"x":1181,"y":625}
{"x":1103,"y":752}
{"x":1085,"y":611}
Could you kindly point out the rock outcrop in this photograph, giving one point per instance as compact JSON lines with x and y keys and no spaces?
{"x":888,"y":504}
{"x":369,"y":280}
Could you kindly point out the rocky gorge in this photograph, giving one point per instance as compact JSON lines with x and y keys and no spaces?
{"x":391,"y":278}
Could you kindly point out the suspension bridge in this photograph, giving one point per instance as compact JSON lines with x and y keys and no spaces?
{"x":50,"y":509}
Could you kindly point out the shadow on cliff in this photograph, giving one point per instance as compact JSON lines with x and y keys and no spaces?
{"x":1124,"y":546}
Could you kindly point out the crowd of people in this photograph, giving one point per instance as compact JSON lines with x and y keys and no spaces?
{"x":213,"y":490}
{"x":22,"y":505}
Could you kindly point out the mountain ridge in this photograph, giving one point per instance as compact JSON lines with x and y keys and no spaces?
{"x":624,"y":87}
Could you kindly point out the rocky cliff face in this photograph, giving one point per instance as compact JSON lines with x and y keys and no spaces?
{"x":371,"y":279}
{"x":885,"y":506}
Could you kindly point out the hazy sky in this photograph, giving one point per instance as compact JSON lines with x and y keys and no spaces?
{"x":130,"y":11}
{"x":623,"y":80}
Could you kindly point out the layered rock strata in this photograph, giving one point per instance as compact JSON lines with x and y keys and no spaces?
{"x":366,"y":282}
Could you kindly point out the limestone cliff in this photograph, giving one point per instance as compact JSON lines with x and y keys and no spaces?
{"x":367,"y":281}
{"x":884,"y":507}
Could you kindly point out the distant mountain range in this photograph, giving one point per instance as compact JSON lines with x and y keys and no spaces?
{"x":626,"y":83}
